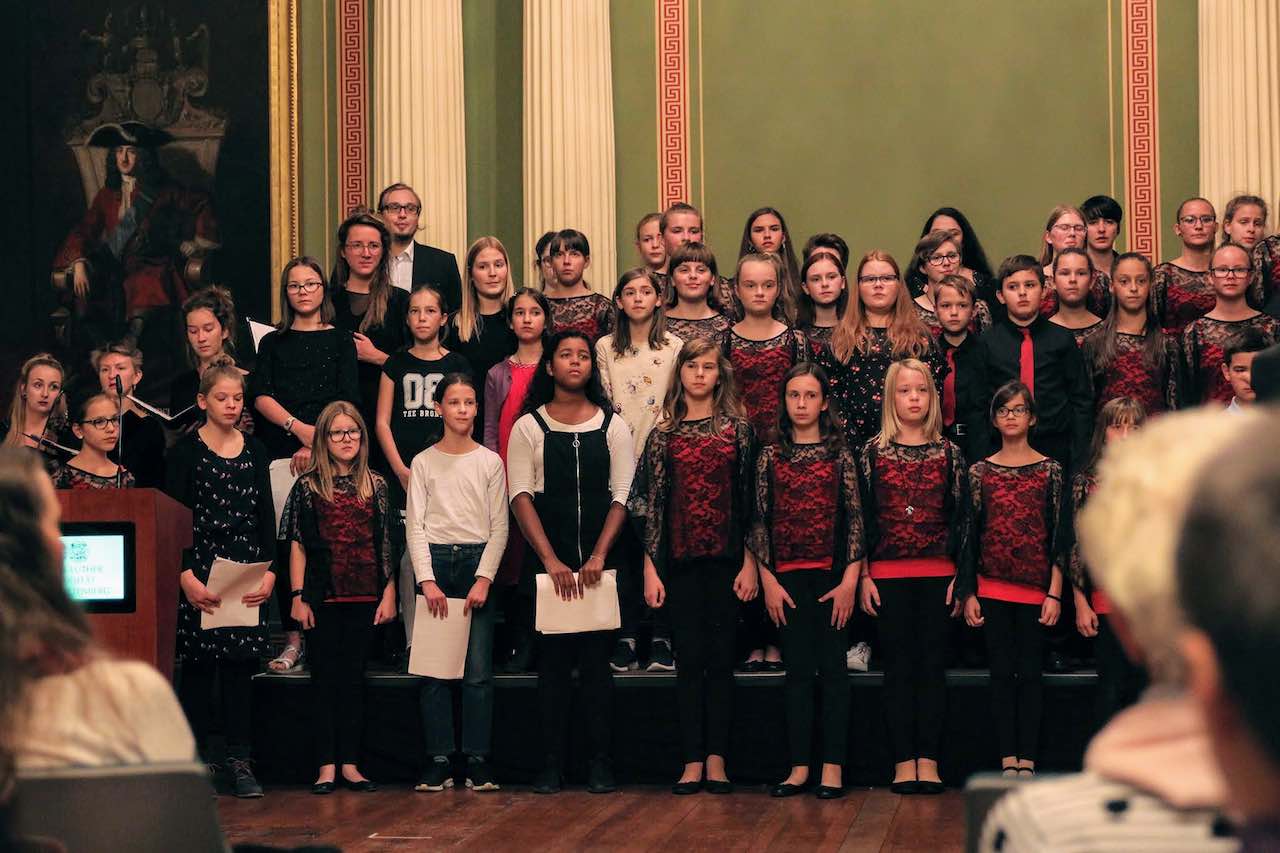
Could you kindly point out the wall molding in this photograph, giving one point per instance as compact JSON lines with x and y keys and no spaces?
{"x":282,"y":97}
{"x":672,"y":23}
{"x":353,"y":98}
{"x":1141,"y":129}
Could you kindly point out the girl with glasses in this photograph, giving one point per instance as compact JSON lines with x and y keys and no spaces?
{"x":1181,"y":288}
{"x":143,"y":436}
{"x":1014,"y":586}
{"x":973,"y":258}
{"x":97,"y":425}
{"x":937,"y":256}
{"x":1230,"y":271}
{"x":1065,"y":229}
{"x":336,"y":525}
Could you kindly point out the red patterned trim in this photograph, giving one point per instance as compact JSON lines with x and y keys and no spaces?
{"x":673,"y":101}
{"x":1141,"y":128}
{"x":353,"y":138}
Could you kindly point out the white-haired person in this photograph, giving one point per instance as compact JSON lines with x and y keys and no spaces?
{"x":1149,"y":780}
{"x":1229,"y":585}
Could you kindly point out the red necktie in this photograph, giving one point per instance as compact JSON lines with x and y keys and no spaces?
{"x":1027,"y":361}
{"x":949,"y":389}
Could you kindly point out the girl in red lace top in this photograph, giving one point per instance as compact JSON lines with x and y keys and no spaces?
{"x":915,"y":506}
{"x":1180,"y":290}
{"x":694,"y":310}
{"x":1016,"y":499}
{"x":690,"y":505}
{"x":1073,"y":275}
{"x":806,"y":534}
{"x":97,"y":425}
{"x":1132,"y":356}
{"x":574,"y":305}
{"x":824,"y":295}
{"x":1119,"y":680}
{"x":1203,"y":341}
{"x":337,"y":524}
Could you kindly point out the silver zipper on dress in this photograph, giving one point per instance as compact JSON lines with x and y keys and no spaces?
{"x":577,"y":484}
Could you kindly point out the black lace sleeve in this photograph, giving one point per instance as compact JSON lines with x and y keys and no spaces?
{"x":855,"y":540}
{"x":758,"y":535}
{"x":382,"y":540}
{"x":960,"y":535}
{"x":1173,"y":391}
{"x":1081,"y":485}
{"x":800,"y":341}
{"x":745,"y":486}
{"x":867,"y":489}
{"x":647,"y":501}
{"x":1192,"y":393}
{"x":1059,"y":521}
{"x":967,"y":571}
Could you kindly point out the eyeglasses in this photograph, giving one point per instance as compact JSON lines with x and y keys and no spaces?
{"x":302,"y":286}
{"x":1069,"y":229}
{"x":1231,"y":272}
{"x":1207,"y":219}
{"x":344,"y":434}
{"x":396,"y":208}
{"x":943,"y":260}
{"x":1016,"y":411}
{"x":361,"y":248}
{"x":877,"y":279}
{"x":103,"y":423}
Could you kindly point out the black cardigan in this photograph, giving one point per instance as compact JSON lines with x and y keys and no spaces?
{"x":180,"y":485}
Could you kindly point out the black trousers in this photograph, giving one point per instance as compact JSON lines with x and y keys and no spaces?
{"x":1015,"y":646}
{"x":704,"y":611}
{"x":631,"y":591}
{"x":1120,"y":680}
{"x":812,"y":645}
{"x":914,"y":637}
{"x":230,"y":681}
{"x":558,"y":654}
{"x":337,"y":648}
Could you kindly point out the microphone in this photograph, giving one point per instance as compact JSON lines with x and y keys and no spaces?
{"x":119,"y":431}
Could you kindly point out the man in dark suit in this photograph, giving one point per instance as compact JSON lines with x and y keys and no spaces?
{"x":414,"y":263}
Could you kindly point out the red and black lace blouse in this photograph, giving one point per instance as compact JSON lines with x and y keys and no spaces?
{"x":979,"y":323}
{"x":1156,"y":386}
{"x":77,"y":479}
{"x":1098,"y":300}
{"x":1083,"y":335}
{"x":758,"y":367}
{"x":591,"y":314}
{"x":1202,"y":345}
{"x":818,"y":336}
{"x":857,"y":386}
{"x":712,"y":328}
{"x":914,"y":501}
{"x":1180,"y":296}
{"x":1018,"y":523}
{"x":691,"y":496}
{"x":347,"y":540}
{"x":1266,"y":277}
{"x":807,"y":513}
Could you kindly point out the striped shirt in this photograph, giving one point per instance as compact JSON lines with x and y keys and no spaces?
{"x":1086,"y":812}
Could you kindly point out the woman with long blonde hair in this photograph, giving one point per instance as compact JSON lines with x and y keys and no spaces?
{"x":478,"y":330}
{"x":38,"y":411}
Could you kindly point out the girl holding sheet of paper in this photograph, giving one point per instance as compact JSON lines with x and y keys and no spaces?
{"x":569,"y":469}
{"x":691,"y":505}
{"x":222,"y":475}
{"x":456,"y":530}
{"x":336,"y":522}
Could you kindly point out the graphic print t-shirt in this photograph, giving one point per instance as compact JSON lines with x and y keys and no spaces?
{"x":415,"y":426}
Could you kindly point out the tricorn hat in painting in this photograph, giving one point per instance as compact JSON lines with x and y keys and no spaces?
{"x":128,"y":133}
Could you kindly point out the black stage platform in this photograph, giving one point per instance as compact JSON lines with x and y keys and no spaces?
{"x":646,"y":735}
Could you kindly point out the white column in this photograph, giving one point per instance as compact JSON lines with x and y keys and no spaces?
{"x":568,"y":128}
{"x":1240,"y":100}
{"x":419,"y":133}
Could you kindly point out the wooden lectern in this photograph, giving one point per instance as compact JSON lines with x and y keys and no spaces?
{"x":162,"y":530}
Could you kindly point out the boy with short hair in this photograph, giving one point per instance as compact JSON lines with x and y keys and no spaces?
{"x":1237,"y":366}
{"x":963,"y":395}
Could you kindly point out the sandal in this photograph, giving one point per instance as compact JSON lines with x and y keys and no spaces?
{"x":289,"y":659}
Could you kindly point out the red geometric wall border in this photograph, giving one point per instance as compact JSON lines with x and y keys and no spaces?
{"x":1141,"y":128}
{"x":353,"y":138}
{"x":673,"y":102}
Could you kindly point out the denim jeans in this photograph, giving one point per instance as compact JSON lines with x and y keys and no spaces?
{"x":454,"y":567}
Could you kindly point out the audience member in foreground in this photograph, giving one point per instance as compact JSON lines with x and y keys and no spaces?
{"x":64,"y":701}
{"x":1149,"y":780}
{"x":1230,"y":588}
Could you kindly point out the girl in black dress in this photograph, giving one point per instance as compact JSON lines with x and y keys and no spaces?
{"x":97,"y":425}
{"x":38,"y":411}
{"x":222,"y":475}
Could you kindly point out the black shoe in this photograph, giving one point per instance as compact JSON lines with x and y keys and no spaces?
{"x":437,"y":777}
{"x":786,"y":789}
{"x":911,"y":786}
{"x":323,"y":788}
{"x":751,"y":666}
{"x":364,"y":786}
{"x":717,"y":786}
{"x":600,"y":776}
{"x":480,"y":775}
{"x":624,"y":656}
{"x":660,"y":657}
{"x":243,"y":783}
{"x":926,"y":787}
{"x":548,"y":781}
{"x":828,"y":792}
{"x":686,"y":788}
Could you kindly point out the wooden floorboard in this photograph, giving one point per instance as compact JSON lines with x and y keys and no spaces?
{"x":636,"y":819}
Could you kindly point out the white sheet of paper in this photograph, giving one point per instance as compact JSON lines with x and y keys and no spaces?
{"x":231,"y":581}
{"x":597,"y":610}
{"x":281,"y":484}
{"x":440,"y":645}
{"x":259,"y":331}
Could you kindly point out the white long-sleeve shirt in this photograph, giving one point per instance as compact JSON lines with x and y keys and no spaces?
{"x":637,"y":382}
{"x":456,"y":500}
{"x":524,"y":453}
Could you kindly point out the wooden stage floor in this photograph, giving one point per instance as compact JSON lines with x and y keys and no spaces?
{"x":638,"y":818}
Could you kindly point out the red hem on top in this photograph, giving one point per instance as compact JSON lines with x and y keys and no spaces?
{"x":912,"y":567}
{"x":1099,"y":602}
{"x":795,"y":565}
{"x":1014,"y":593}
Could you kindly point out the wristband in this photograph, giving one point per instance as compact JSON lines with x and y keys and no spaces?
{"x":1054,"y":597}
{"x":296,"y":593}
{"x":288,"y":424}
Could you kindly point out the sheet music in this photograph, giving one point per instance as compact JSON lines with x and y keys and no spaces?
{"x":158,"y":412}
{"x":231,"y":581}
{"x":259,"y":331}
{"x":440,"y":645}
{"x":596,"y":610}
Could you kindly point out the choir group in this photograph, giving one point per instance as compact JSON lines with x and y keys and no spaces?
{"x":779,"y":463}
